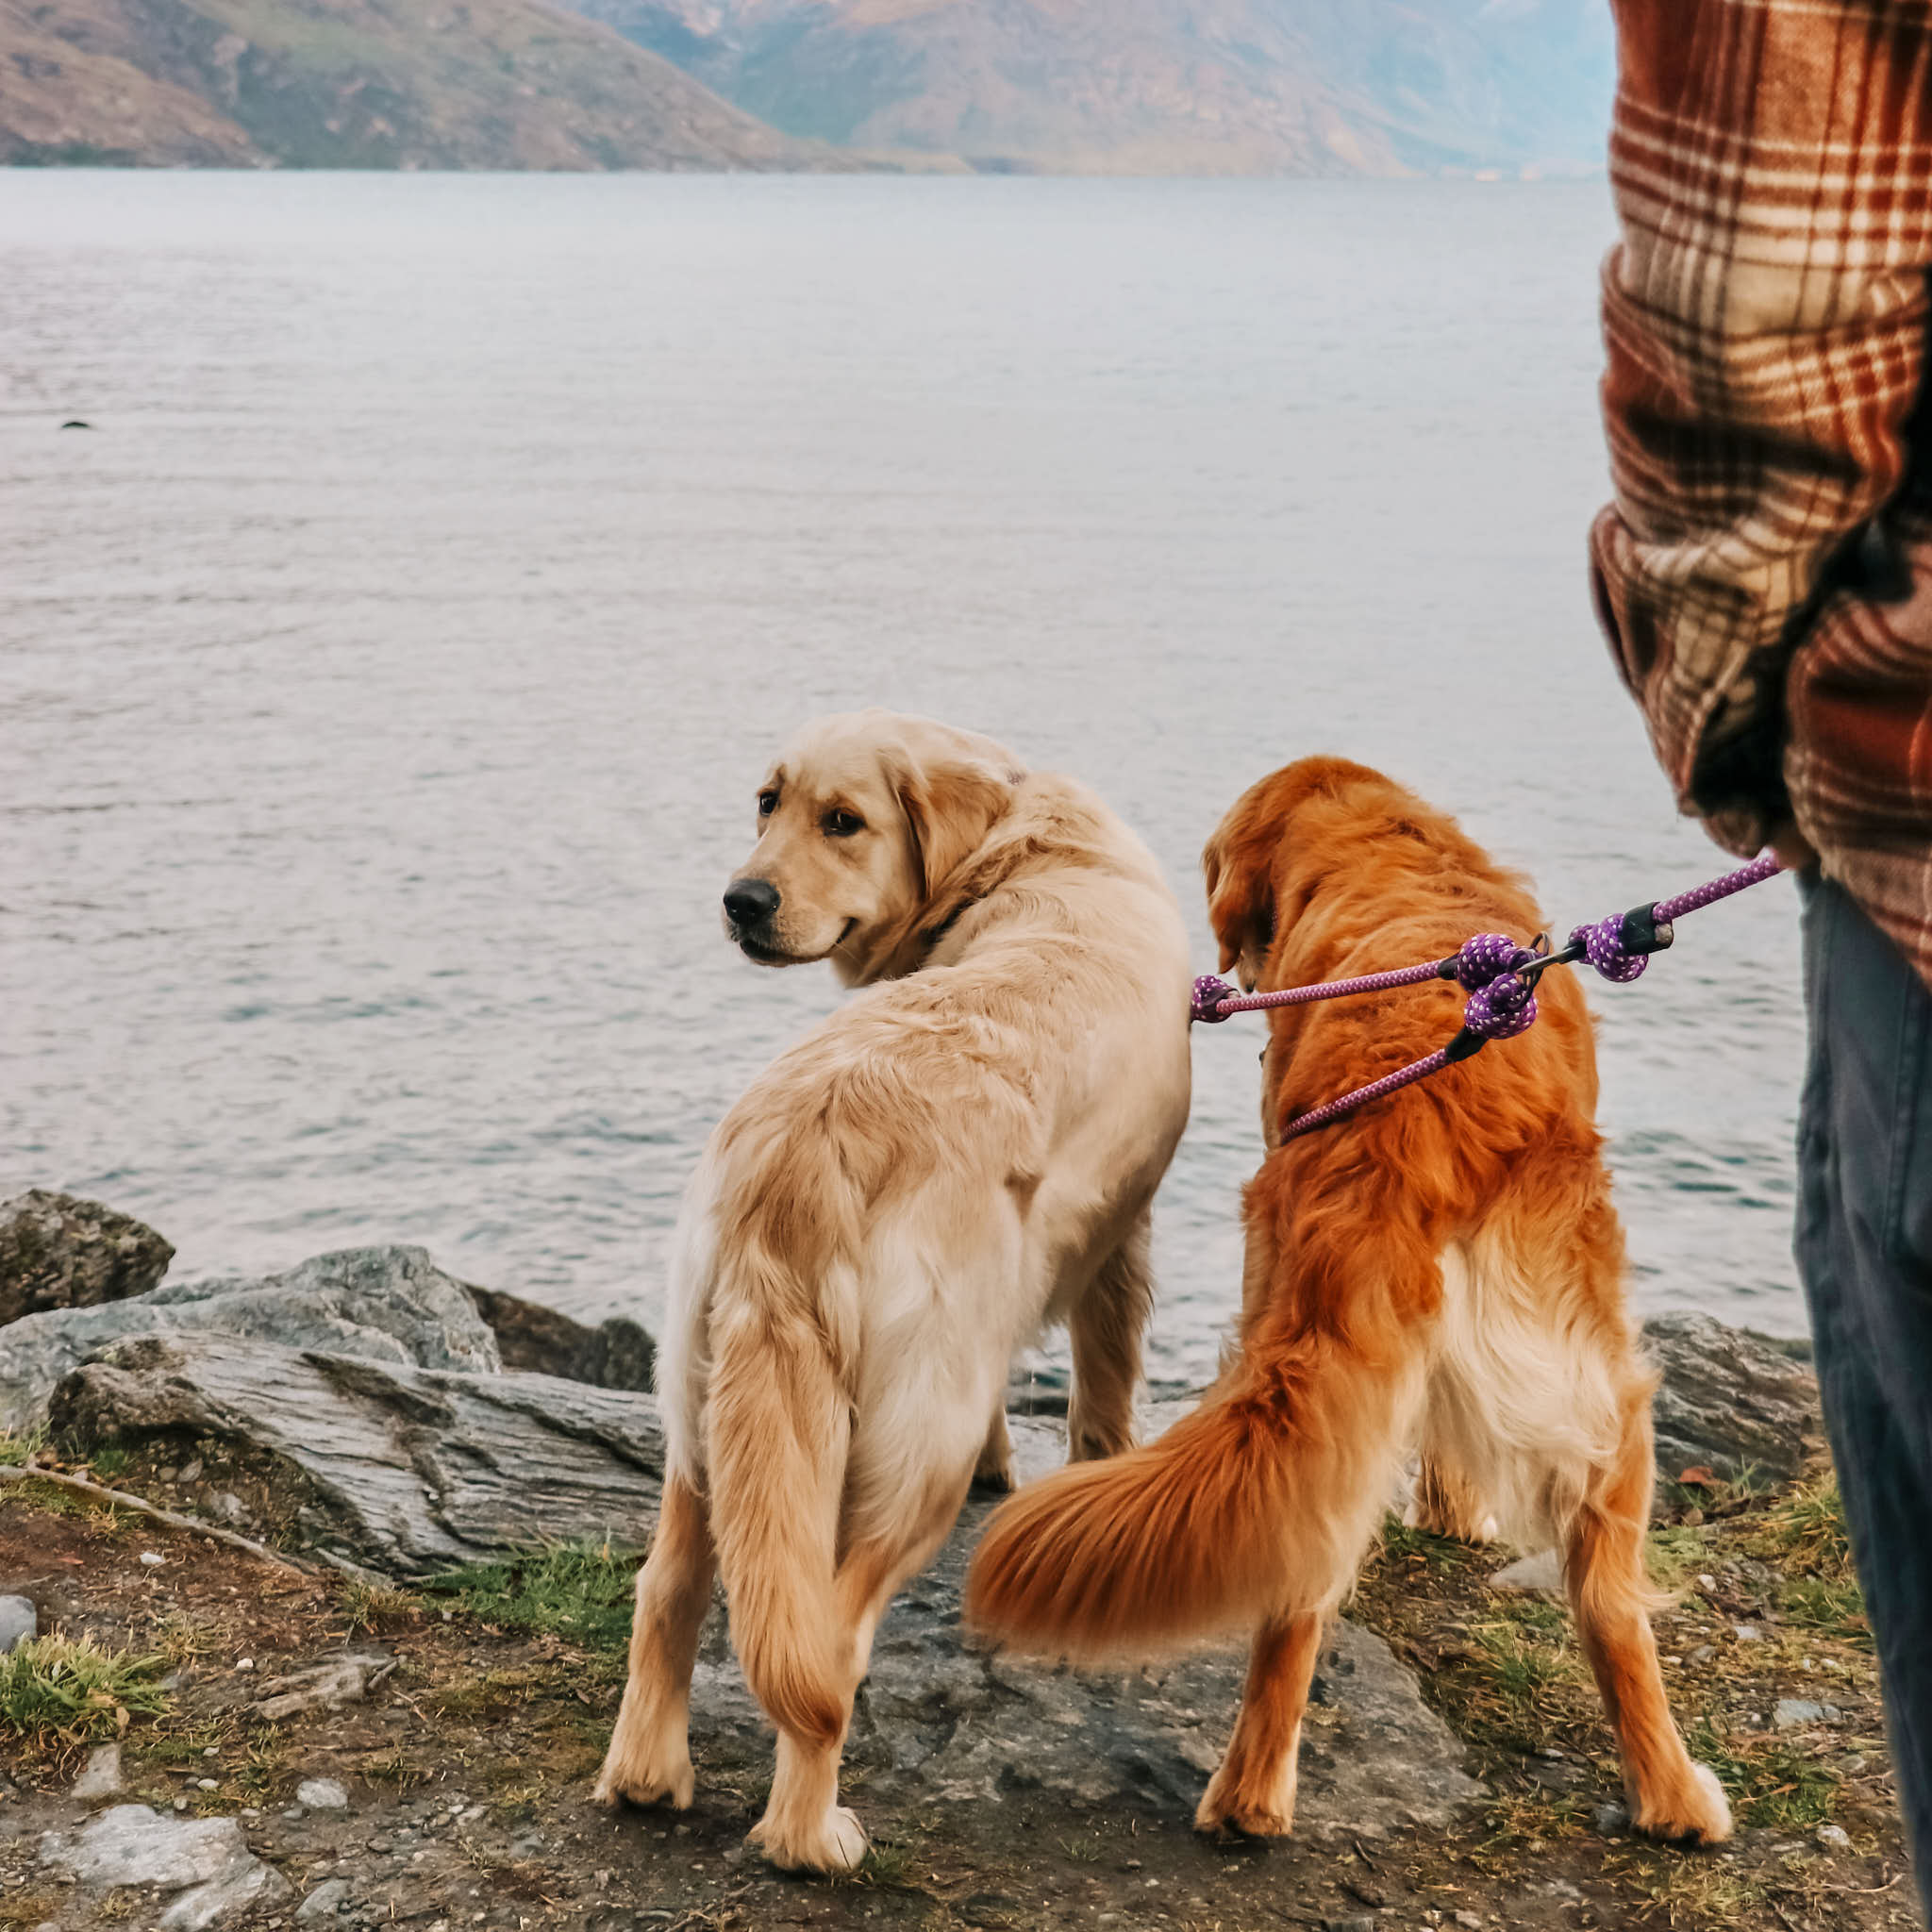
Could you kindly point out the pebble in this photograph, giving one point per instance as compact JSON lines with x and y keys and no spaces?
{"x":1469,"y":1919}
{"x":1748,"y":1633}
{"x":101,"y":1778}
{"x":1611,"y":1820}
{"x":191,"y":1471}
{"x":1834,"y":1837}
{"x":246,"y":1663}
{"x":152,"y":1559}
{"x":19,"y":1620}
{"x":207,"y":1784}
{"x":322,"y":1794}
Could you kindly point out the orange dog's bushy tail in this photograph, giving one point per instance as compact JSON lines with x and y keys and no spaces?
{"x":1256,"y":1504}
{"x":778,"y":1435}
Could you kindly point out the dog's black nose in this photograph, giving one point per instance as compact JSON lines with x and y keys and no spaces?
{"x":748,"y":901}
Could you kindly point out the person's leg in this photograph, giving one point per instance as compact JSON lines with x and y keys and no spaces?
{"x":1864,"y":1249}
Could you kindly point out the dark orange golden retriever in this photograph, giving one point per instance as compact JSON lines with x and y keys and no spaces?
{"x":1441,"y":1273}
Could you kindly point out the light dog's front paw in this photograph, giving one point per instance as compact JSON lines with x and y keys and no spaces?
{"x":640,"y":1775}
{"x":1694,"y":1811}
{"x":835,"y":1842}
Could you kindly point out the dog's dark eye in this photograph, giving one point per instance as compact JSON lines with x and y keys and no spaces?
{"x":841,"y":824}
{"x":768,"y":804}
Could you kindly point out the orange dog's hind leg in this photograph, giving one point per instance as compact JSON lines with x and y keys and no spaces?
{"x":650,"y":1750}
{"x":1107,"y":1324}
{"x":1253,"y":1790}
{"x":1671,"y":1796}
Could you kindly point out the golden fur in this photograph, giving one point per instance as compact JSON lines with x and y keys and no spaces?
{"x":966,"y":1150}
{"x":1441,"y":1272}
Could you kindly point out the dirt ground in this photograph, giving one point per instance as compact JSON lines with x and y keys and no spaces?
{"x":468,"y":1768}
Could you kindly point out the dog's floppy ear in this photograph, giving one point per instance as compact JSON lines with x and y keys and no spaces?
{"x":951,"y":796}
{"x":1239,"y":864}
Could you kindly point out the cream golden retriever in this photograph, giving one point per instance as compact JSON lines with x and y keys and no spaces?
{"x":1441,"y":1271}
{"x":964,"y":1152}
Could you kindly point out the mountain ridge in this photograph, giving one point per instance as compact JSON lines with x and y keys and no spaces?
{"x":358,"y":84}
{"x":1232,"y":87}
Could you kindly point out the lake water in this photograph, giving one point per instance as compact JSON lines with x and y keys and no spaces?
{"x":386,"y":675}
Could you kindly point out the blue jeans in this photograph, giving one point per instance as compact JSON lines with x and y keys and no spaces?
{"x":1864,"y":1248}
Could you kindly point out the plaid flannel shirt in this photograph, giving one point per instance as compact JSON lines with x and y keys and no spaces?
{"x":1765,"y":573}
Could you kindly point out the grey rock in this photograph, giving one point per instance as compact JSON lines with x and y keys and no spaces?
{"x":406,"y":1469}
{"x":206,"y":1860}
{"x":936,"y":1722}
{"x":322,"y":1794}
{"x":1729,"y":1400}
{"x":101,"y":1776}
{"x":57,"y":1251}
{"x":617,"y":1353}
{"x":388,"y":1304}
{"x":1611,"y":1819}
{"x":1539,"y":1574}
{"x":236,"y":1898}
{"x":1794,"y":1713}
{"x":19,"y":1620}
{"x":1834,"y":1837}
{"x":324,"y":1901}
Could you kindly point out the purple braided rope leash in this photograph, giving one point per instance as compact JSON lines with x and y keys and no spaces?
{"x":1498,"y":975}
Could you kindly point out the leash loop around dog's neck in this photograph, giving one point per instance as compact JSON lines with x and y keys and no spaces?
{"x":1498,"y":975}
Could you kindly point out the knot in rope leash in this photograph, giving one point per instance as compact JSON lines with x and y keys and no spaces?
{"x":1498,"y":975}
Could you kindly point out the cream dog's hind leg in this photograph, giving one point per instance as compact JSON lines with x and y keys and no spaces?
{"x":649,"y":1758}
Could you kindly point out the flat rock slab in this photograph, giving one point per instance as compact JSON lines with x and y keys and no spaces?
{"x":938,"y":1722}
{"x":408,"y":1469}
{"x":205,"y":1861}
{"x":390,"y":1305}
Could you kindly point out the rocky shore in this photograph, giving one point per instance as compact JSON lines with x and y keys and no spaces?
{"x":381,"y":1700}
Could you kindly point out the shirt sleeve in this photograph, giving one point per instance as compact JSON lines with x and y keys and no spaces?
{"x":1764,"y":321}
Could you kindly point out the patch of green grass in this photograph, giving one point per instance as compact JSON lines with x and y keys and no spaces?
{"x":1803,"y":1538}
{"x":1519,"y":1683}
{"x":375,"y":1607}
{"x":56,"y":1688}
{"x":581,"y":1591}
{"x":1401,"y":1547}
{"x":1806,"y":1531}
{"x":108,"y":1464}
{"x":1719,"y":1496}
{"x":16,"y":1448}
{"x":181,"y":1639}
{"x":1770,"y":1783}
{"x":1677,"y":1554}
